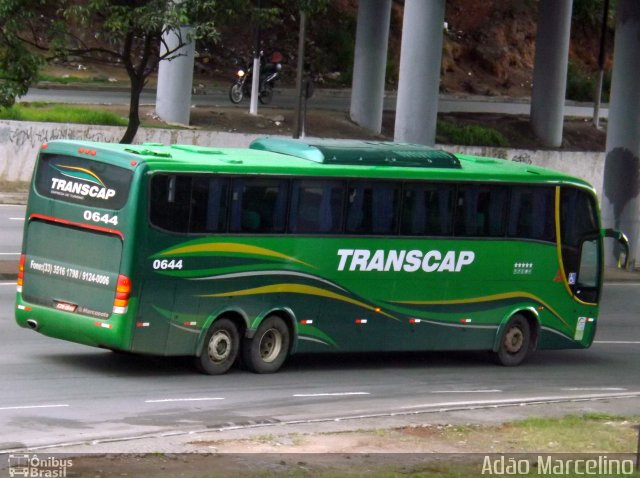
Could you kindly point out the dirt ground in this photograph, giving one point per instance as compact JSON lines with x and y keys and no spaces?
{"x":579,"y":134}
{"x":419,"y":450}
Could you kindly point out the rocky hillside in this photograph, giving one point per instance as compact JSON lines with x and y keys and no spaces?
{"x":489,"y":45}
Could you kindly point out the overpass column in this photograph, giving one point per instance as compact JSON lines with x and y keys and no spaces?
{"x":621,"y":182}
{"x":419,"y":78}
{"x":370,"y":62}
{"x":550,"y":70}
{"x":175,"y":80}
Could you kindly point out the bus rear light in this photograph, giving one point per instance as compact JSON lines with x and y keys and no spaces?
{"x":465,"y":321}
{"x":104,"y":325}
{"x":414,"y":321}
{"x":20,"y":280}
{"x":306,"y":322}
{"x":26,"y":308}
{"x":361,"y":321}
{"x":123,"y":293}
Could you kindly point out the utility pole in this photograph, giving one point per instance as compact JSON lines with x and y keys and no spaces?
{"x":301,"y":39}
{"x":601,"y":55}
{"x":255,"y":79}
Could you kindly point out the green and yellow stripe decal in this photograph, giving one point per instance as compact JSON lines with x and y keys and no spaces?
{"x":79,"y":173}
{"x":300,"y":289}
{"x":488,"y":298}
{"x":228,"y":248}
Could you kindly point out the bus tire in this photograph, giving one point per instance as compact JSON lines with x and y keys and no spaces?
{"x":269,"y":347}
{"x":220,"y":348}
{"x":515,"y":342}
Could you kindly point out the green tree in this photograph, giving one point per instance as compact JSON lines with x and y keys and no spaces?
{"x":128,"y":33}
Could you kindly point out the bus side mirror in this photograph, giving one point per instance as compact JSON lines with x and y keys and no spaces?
{"x":623,"y":258}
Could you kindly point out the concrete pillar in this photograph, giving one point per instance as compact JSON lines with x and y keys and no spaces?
{"x":175,"y":80}
{"x":370,"y":63}
{"x":419,"y":78}
{"x":550,"y":70}
{"x":621,"y":182}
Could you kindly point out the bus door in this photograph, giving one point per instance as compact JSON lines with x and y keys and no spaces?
{"x":581,"y":244}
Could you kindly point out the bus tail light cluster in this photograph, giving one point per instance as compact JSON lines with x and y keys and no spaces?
{"x":21,"y":272}
{"x":123,"y":292}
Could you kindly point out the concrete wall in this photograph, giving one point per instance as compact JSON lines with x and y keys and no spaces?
{"x":19,"y":143}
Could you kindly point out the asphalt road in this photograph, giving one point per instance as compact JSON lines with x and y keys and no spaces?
{"x":286,"y":98}
{"x":11,"y":224}
{"x":57,"y":392}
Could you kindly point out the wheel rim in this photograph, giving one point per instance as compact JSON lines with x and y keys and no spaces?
{"x":513,"y":340}
{"x":220,"y":346}
{"x":270,"y":345}
{"x":236,"y":93}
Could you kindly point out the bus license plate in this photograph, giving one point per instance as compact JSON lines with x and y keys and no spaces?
{"x":65,"y":306}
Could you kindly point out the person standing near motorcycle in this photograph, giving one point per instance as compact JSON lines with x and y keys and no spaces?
{"x":269,"y":73}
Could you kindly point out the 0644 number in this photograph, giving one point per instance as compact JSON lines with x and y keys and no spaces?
{"x":95,"y":216}
{"x":165,"y":264}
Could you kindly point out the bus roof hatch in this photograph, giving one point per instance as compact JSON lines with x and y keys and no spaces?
{"x":355,"y":152}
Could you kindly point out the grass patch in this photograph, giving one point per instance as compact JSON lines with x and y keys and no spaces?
{"x":578,"y":433}
{"x":469,"y":135}
{"x":53,"y":113}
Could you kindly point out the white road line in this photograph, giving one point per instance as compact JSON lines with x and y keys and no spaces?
{"x":594,"y":389}
{"x":339,"y":394}
{"x":467,"y":391}
{"x":617,"y":342}
{"x":8,"y":283}
{"x":29,"y":407}
{"x":9,"y":253}
{"x":470,"y":405}
{"x":167,"y":400}
{"x":16,"y":218}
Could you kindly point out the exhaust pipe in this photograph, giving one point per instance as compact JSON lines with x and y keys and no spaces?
{"x":33,"y":325}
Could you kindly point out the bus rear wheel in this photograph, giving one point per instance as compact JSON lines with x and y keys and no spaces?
{"x":269,"y":347}
{"x":515,"y":342}
{"x":220,"y":348}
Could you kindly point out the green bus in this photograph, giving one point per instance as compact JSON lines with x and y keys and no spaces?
{"x":250,"y":255}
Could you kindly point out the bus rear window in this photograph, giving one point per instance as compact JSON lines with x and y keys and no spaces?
{"x":82,"y":181}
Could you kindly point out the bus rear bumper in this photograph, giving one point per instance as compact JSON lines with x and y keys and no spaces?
{"x":112,"y":333}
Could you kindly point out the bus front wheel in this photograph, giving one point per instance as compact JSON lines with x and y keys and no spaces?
{"x":220,"y":348}
{"x":269,"y":347}
{"x":514,"y":342}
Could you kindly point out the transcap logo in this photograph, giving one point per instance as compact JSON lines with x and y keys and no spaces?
{"x":403,"y":260}
{"x":90,"y":184}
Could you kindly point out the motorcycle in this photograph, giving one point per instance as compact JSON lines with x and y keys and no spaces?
{"x":269,"y":73}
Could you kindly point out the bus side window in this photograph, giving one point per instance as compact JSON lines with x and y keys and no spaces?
{"x":427,"y":209}
{"x":481,"y":211}
{"x":208,"y":204}
{"x":316,"y":206}
{"x":259,"y":205}
{"x":373,"y":207}
{"x":170,"y":202}
{"x":531,"y":213}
